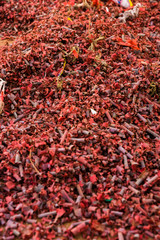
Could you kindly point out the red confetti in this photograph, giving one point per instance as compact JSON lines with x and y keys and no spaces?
{"x":10,"y":185}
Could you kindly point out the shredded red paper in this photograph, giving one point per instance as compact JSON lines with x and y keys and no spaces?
{"x":79,"y":120}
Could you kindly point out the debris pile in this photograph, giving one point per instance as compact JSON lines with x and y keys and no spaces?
{"x":80,"y":125}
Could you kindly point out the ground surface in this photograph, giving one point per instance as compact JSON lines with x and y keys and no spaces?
{"x":80,"y":126}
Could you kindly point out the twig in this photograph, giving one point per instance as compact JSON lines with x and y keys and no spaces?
{"x":30,"y":155}
{"x":130,"y":13}
{"x":59,"y":83}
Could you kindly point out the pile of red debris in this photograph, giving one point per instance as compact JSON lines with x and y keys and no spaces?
{"x":80,"y":125}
